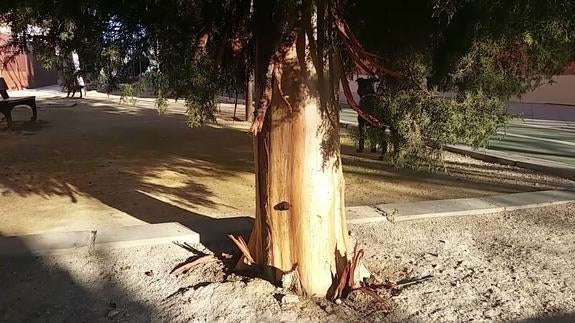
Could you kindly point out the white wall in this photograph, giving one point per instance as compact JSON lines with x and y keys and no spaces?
{"x":353,"y":87}
{"x":560,"y":92}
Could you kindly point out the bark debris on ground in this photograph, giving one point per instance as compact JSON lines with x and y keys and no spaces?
{"x":497,"y":267}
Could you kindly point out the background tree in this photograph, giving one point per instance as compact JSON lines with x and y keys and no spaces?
{"x":302,"y":52}
{"x":479,"y":52}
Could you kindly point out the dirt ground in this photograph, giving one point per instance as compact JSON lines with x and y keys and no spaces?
{"x":98,"y":164}
{"x":515,"y":266}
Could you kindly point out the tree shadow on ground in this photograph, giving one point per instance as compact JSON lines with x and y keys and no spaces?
{"x":156,"y":169}
{"x":40,"y":289}
{"x":551,"y":318}
{"x":153,"y":168}
{"x":465,"y":176}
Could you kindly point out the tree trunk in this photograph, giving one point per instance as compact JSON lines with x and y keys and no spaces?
{"x":249,"y":98}
{"x":300,"y":218}
{"x":235,"y":104}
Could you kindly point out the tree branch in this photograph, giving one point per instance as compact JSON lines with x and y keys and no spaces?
{"x":359,"y":53}
{"x":220,"y":53}
{"x":202,"y":42}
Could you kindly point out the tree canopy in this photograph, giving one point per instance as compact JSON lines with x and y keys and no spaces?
{"x":480,"y":51}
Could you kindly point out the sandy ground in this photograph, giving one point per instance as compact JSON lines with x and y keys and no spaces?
{"x":100,"y":164}
{"x":516,"y":266}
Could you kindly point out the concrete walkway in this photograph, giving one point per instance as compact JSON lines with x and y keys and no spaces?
{"x":120,"y":237}
{"x":146,"y":234}
{"x":397,"y":212}
{"x":49,"y":91}
{"x":506,"y":158}
{"x":549,"y":140}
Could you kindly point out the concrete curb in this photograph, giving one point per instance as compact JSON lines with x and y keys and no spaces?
{"x":555,"y":168}
{"x":150,"y":234}
{"x":397,"y":212}
{"x":120,"y":237}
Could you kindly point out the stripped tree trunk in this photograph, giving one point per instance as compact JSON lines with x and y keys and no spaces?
{"x":300,"y":219}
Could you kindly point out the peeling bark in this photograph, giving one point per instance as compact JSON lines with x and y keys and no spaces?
{"x":300,"y":219}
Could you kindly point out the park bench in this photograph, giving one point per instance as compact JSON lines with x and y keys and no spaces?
{"x":7,"y":103}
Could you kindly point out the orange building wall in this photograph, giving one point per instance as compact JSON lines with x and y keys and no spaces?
{"x":14,"y":72}
{"x":24,"y":71}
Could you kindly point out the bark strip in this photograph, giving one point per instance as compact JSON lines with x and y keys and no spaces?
{"x":351,"y":101}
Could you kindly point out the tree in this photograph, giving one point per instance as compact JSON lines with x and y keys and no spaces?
{"x":482,"y":52}
{"x":302,"y":51}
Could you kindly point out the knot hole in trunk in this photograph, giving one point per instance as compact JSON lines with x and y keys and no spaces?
{"x":282,"y":206}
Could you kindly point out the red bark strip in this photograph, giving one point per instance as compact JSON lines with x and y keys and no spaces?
{"x":350,"y":100}
{"x":278,"y":80}
{"x":243,"y":246}
{"x":187,"y":266}
{"x":266,"y":96}
{"x":342,"y":282}
{"x":359,"y":54}
{"x":354,"y":47}
{"x":358,"y":255}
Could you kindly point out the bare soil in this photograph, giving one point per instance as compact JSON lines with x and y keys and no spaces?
{"x":97,"y":163}
{"x":515,"y":266}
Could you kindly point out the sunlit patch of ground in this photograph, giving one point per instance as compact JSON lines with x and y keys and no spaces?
{"x":99,"y":164}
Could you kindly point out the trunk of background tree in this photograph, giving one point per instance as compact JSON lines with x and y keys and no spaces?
{"x":300,"y":218}
{"x":249,"y":97}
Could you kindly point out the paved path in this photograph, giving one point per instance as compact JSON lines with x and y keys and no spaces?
{"x":542,"y":139}
{"x":546,"y":138}
{"x":161,"y":233}
{"x":49,"y":91}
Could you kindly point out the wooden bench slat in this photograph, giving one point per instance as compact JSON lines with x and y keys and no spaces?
{"x":7,"y":103}
{"x":18,"y":99}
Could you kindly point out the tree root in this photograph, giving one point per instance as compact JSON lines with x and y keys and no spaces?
{"x":188,"y":265}
{"x":200,"y":258}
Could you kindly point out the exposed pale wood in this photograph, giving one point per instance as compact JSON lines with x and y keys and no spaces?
{"x":202,"y":42}
{"x":292,"y":166}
